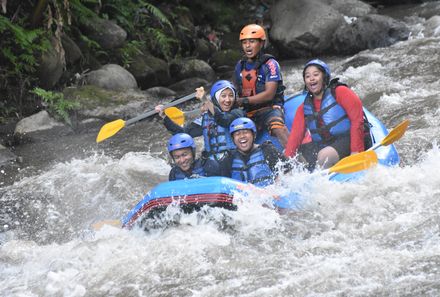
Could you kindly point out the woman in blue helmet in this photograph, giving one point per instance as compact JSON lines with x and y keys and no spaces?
{"x":183,"y":151}
{"x":250,"y":162}
{"x":331,"y":117}
{"x":214,"y":122}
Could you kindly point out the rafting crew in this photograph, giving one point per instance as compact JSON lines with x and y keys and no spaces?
{"x":260,"y":84}
{"x":213,"y":124}
{"x":250,"y":162}
{"x":182,"y":149}
{"x":329,"y":124}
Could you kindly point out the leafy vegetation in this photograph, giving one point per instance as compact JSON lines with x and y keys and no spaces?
{"x":56,"y":104}
{"x":164,"y":29}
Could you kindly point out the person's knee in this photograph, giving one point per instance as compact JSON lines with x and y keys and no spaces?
{"x":276,"y":126}
{"x":279,"y":130}
{"x":327,"y":157}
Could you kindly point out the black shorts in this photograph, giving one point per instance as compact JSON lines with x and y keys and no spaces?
{"x":341,"y":144}
{"x":268,"y":118}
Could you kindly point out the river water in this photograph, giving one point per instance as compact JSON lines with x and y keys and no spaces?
{"x":379,"y":236}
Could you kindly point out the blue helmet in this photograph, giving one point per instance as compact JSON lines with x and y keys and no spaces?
{"x":242,"y":124}
{"x":179,"y":141}
{"x":322,"y":66}
{"x":220,"y":85}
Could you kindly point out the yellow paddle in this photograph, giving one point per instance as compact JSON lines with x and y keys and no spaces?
{"x":393,"y":135}
{"x":110,"y":129}
{"x":178,"y":116}
{"x":354,"y":163}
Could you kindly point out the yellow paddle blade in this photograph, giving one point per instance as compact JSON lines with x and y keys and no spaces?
{"x":355,"y":162}
{"x":116,"y":223}
{"x":396,"y":133}
{"x":176,"y":115}
{"x":110,"y":129}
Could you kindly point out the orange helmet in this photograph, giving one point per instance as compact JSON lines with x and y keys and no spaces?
{"x":253,"y":31}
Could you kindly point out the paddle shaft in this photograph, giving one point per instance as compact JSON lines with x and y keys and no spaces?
{"x":151,"y":112}
{"x":394,"y":135}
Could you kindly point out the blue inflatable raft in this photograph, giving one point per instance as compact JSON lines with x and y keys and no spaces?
{"x":192,"y":194}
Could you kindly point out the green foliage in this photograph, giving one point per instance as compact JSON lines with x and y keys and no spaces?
{"x":147,"y":27}
{"x":130,"y":50}
{"x":156,"y":13}
{"x":20,"y":47}
{"x":159,"y":42}
{"x":81,"y":12}
{"x":56,"y":103}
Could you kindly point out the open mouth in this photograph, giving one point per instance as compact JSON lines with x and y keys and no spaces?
{"x":249,"y":52}
{"x":313,"y":86}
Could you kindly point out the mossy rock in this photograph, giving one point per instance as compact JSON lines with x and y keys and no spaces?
{"x":90,"y":96}
{"x":228,"y":57}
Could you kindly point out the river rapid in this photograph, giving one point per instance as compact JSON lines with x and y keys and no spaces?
{"x":379,"y":236}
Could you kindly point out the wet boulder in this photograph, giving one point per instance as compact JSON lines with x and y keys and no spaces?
{"x":52,"y":64}
{"x":39,"y":127}
{"x":188,"y":68}
{"x":111,"y":77}
{"x":368,"y":32}
{"x":227,"y":57}
{"x":160,"y":92}
{"x":352,"y":8}
{"x":72,"y":51}
{"x":303,"y":27}
{"x":105,"y":32}
{"x":149,"y":71}
{"x":188,"y":85}
{"x":432,"y":26}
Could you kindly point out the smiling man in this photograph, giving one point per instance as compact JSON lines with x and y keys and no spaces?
{"x":183,"y":151}
{"x":252,"y":163}
{"x":260,"y":84}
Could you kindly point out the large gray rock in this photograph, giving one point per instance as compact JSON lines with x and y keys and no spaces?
{"x":227,"y":57}
{"x":189,"y":68}
{"x":160,"y":92}
{"x":352,"y":8}
{"x":303,"y":27}
{"x":111,"y":77}
{"x":71,"y":49}
{"x":51,"y":65}
{"x":189,"y":84}
{"x":368,"y":32}
{"x":39,"y":127}
{"x":149,"y":71}
{"x":432,"y":27}
{"x":105,"y":32}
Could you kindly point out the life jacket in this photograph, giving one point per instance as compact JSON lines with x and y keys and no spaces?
{"x":255,"y":171}
{"x":216,"y":138}
{"x":197,"y":171}
{"x":251,"y":85}
{"x":331,"y":121}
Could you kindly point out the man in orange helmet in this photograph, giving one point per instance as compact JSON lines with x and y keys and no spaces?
{"x":260,"y":84}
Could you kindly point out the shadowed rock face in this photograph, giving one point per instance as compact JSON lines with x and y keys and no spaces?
{"x":394,"y":2}
{"x":303,"y":28}
{"x":318,"y":27}
{"x":368,"y":32}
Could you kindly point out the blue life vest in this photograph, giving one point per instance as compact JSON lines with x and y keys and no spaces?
{"x":197,"y":171}
{"x":255,"y":171}
{"x":216,"y":138}
{"x":251,"y":83}
{"x":334,"y":118}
